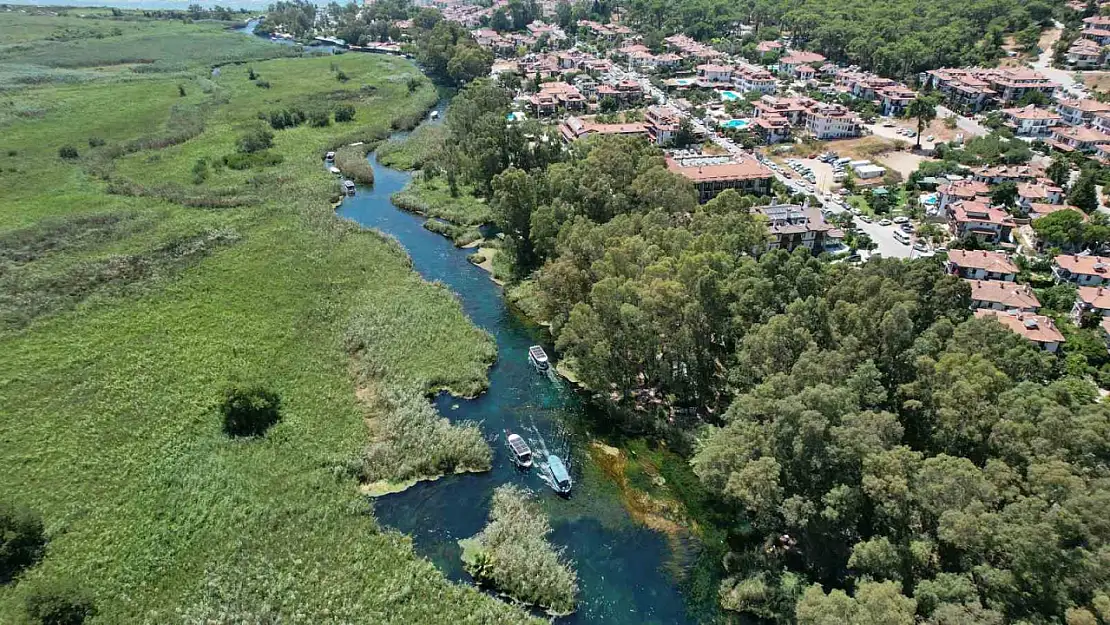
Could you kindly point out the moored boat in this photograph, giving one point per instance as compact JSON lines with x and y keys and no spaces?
{"x":538,"y":358}
{"x":558,"y":477}
{"x":522,"y":453}
{"x":434,"y":115}
{"x":329,"y":157}
{"x":349,"y":187}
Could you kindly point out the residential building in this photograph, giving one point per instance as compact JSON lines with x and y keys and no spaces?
{"x":978,"y":219}
{"x":981,"y":265}
{"x":1085,"y":270}
{"x":792,"y":226}
{"x":1037,"y":210}
{"x":1086,"y":54}
{"x":712,"y":75}
{"x":998,"y":174}
{"x":964,"y":190}
{"x":1101,"y":122}
{"x":1080,"y":112}
{"x":1090,"y":301}
{"x":894,"y":100}
{"x":804,"y":73}
{"x":1077,"y":139}
{"x":554,"y":96}
{"x":772,"y":128}
{"x":973,"y":89}
{"x":574,"y":128}
{"x":750,"y":78}
{"x":796,"y":58}
{"x":767,"y":47}
{"x":713,"y":174}
{"x":1031,"y":121}
{"x":1000,"y":295}
{"x":1040,"y":192}
{"x":793,"y":109}
{"x":1039,"y":329}
{"x":661,"y":122}
{"x":831,"y":121}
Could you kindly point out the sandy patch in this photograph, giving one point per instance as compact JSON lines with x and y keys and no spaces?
{"x":904,"y":163}
{"x":1097,"y":81}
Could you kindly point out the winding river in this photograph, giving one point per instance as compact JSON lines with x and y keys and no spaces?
{"x":628,"y":574}
{"x":626,"y":571}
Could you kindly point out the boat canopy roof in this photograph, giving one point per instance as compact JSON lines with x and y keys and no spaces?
{"x":518,"y":445}
{"x":537,"y":352}
{"x":558,"y":469}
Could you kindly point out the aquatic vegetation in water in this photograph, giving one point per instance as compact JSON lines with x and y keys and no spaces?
{"x":412,"y":442}
{"x":351,"y":160}
{"x":513,"y":555}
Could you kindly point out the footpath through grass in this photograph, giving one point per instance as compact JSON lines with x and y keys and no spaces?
{"x":151,"y":291}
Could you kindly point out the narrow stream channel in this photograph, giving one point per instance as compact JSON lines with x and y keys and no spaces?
{"x":628,"y":574}
{"x":622,"y":566}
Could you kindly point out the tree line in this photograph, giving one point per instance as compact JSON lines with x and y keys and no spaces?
{"x":896,"y":39}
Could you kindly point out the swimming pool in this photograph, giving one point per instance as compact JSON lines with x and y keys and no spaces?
{"x":739,"y":124}
{"x":730,"y":95}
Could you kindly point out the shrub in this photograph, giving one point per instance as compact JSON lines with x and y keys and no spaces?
{"x":68,"y":152}
{"x":265,"y":84}
{"x":287,"y":118}
{"x":513,"y":555}
{"x":250,"y":410}
{"x":240,"y":161}
{"x":95,"y":142}
{"x":344,"y":113}
{"x":200,"y":171}
{"x":255,"y":140}
{"x":319,"y":119}
{"x":181,"y":90}
{"x":250,"y":74}
{"x":341,"y":76}
{"x":21,"y":540}
{"x":61,"y":604}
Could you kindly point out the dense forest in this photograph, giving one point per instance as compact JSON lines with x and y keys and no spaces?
{"x":878,"y":454}
{"x":895,"y":39}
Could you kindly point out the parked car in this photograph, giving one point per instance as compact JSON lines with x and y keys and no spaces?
{"x":901,"y":219}
{"x":920,"y":246}
{"x":907,"y":227}
{"x":865,"y":218}
{"x":884,"y":222}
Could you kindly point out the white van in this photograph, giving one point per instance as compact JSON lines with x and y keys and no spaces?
{"x":902,"y":237}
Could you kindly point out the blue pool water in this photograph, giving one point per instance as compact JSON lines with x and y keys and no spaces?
{"x":737,"y":123}
{"x":730,"y":96}
{"x":622,"y":566}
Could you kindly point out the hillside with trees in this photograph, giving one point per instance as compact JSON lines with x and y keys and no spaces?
{"x":896,"y":39}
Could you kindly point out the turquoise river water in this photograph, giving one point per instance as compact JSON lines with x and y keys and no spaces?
{"x":627,"y":573}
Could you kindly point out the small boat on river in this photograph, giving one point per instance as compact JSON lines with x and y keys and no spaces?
{"x":329,"y":157}
{"x":522,"y":453}
{"x":538,"y":358}
{"x":349,"y":187}
{"x":334,"y":170}
{"x":434,"y":115}
{"x":558,"y":477}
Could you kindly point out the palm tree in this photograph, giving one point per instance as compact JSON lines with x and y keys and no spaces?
{"x":924,"y":108}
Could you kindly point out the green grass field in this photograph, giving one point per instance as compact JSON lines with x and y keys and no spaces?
{"x":128,"y":304}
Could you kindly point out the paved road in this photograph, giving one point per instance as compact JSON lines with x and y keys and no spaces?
{"x":1043,"y":64}
{"x":968,"y":126}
